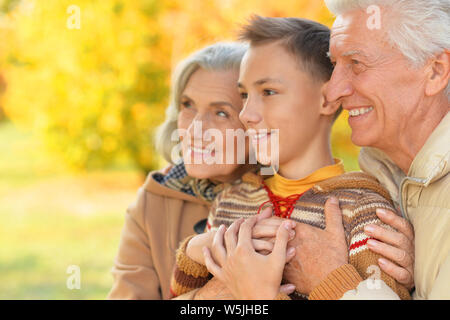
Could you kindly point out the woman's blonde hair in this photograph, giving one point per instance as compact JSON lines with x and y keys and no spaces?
{"x":220,"y":56}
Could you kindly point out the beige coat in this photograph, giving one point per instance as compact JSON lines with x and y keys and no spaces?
{"x":155,"y":224}
{"x":424,"y":198}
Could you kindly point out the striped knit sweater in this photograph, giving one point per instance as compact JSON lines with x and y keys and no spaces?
{"x":359,"y":195}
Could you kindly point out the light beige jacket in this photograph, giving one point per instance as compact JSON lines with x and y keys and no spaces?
{"x":424,"y":199}
{"x":155,"y":224}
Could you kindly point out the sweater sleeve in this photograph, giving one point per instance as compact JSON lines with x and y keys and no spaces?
{"x":363,"y":263}
{"x":189,"y":274}
{"x":134,"y":274}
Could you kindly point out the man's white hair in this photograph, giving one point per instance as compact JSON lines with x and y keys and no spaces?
{"x":419,"y":28}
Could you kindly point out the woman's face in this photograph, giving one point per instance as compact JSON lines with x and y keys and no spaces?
{"x":209,"y":111}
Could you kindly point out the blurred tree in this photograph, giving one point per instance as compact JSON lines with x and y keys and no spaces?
{"x":96,"y":93}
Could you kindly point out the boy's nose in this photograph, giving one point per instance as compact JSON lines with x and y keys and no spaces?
{"x":250,"y":116}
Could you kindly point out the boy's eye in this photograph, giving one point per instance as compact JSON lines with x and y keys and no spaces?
{"x":268,"y":92}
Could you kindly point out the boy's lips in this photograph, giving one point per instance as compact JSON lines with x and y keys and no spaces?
{"x":260,"y":136}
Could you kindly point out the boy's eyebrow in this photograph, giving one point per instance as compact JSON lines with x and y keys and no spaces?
{"x":261,"y":82}
{"x":265,"y":80}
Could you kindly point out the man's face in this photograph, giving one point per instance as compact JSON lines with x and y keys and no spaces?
{"x":278,"y":95}
{"x":373,"y":81}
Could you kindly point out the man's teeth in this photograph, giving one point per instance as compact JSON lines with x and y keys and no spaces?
{"x":359,"y":112}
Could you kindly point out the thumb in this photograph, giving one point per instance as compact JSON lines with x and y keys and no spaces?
{"x":281,"y":241}
{"x":333,"y":216}
{"x":287,"y":288}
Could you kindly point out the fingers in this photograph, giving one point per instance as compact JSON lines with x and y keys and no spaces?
{"x":266,"y":213}
{"x":400,"y":274}
{"x":245,"y":232}
{"x":211,"y":265}
{"x":287,"y":288}
{"x":391,"y":237}
{"x":397,"y":222}
{"x":262,"y":246}
{"x":231,"y":235}
{"x":394,"y":254}
{"x":218,"y":249}
{"x":279,"y":249}
{"x":333,"y":216}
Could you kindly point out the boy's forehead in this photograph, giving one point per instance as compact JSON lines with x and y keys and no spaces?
{"x":268,"y":60}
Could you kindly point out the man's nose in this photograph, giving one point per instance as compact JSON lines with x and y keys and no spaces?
{"x":339,"y":86}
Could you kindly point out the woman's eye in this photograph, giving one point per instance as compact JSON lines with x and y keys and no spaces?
{"x":222,"y":114}
{"x":268,"y":92}
{"x":186,"y":104}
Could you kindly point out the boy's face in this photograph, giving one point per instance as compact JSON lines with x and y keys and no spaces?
{"x":277,"y":94}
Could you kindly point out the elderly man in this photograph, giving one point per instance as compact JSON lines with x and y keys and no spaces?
{"x":392,"y":70}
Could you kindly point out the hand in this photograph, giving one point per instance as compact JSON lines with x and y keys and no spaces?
{"x":263,"y":235}
{"x":318,"y":252}
{"x":396,"y":246}
{"x":265,"y":231}
{"x":195,"y":245}
{"x":246,"y":273}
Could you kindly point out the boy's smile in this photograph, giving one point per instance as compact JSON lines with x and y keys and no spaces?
{"x":279,"y":95}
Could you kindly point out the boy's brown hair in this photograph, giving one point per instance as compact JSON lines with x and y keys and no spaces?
{"x":308,"y":41}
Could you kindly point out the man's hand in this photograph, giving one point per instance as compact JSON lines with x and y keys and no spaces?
{"x":397,"y":247}
{"x":318,"y":252}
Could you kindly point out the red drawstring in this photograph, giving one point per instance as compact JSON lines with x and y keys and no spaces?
{"x":279,"y":202}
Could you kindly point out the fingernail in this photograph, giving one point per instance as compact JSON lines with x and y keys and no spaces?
{"x":291,"y":251}
{"x":334,"y":200}
{"x":382,"y":261}
{"x":381,"y":212}
{"x":287,"y":225}
{"x":290,"y":287}
{"x":369,"y":229}
{"x":291,"y":234}
{"x":371,"y":243}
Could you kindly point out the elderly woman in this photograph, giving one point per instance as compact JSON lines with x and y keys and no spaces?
{"x":171,"y":202}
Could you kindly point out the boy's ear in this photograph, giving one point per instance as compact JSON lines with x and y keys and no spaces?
{"x":328,"y":108}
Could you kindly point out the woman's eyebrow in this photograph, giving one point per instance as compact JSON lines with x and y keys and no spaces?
{"x":216,"y":104}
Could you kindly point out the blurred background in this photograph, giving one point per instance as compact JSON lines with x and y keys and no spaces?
{"x":83,"y":84}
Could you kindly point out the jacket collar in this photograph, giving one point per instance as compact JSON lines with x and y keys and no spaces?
{"x":430,"y":164}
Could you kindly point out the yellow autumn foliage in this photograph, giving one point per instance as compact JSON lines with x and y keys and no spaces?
{"x":95,"y":91}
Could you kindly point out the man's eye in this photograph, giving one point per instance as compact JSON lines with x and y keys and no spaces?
{"x":244,"y":95}
{"x":355,"y":61}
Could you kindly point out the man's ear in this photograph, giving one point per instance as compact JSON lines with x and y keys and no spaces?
{"x":438,"y":74}
{"x":328,"y":108}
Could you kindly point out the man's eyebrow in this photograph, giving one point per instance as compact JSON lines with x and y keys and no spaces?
{"x":353,"y":52}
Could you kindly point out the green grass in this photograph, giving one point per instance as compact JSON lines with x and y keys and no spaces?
{"x":50,"y":220}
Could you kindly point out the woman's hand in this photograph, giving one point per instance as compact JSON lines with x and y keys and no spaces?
{"x":396,"y":246}
{"x":247,"y":273}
